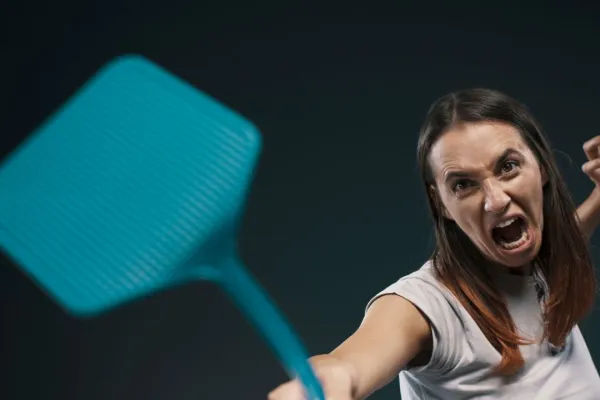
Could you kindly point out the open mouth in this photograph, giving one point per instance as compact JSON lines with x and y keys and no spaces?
{"x":511,"y":234}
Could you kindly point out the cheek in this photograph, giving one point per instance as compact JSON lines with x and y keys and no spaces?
{"x":467,"y":216}
{"x":538,"y":197}
{"x":534,"y":188}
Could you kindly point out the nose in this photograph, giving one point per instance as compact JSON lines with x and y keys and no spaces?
{"x":496,"y":199}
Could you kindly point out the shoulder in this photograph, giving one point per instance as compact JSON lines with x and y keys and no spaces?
{"x":418,"y":284}
{"x":441,"y":309}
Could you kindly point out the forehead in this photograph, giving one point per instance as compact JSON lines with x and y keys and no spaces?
{"x":474,"y":145}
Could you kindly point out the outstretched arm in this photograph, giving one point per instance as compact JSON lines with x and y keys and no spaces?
{"x":392,"y":333}
{"x":588,"y":212}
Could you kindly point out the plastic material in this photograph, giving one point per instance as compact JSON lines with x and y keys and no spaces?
{"x":136,"y":184}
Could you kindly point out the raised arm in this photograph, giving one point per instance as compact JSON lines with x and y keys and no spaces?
{"x":391,"y":335}
{"x":588,"y":213}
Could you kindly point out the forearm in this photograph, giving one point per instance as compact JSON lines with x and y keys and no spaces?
{"x":588,"y":213}
{"x":340,"y":374}
{"x":367,"y":376}
{"x":392,"y":333}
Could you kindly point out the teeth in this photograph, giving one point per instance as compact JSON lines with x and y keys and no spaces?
{"x":517,"y":243}
{"x":506,"y":223}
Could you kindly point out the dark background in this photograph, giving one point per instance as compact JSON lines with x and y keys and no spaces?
{"x":336,"y":211}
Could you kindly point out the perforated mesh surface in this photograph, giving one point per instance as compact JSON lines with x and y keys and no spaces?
{"x":117,"y":189}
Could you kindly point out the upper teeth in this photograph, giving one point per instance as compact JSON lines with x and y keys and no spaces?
{"x":506,"y":223}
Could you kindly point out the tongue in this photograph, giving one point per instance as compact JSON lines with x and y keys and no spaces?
{"x":510,"y":233}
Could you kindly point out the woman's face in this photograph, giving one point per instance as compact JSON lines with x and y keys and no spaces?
{"x":490,"y":183}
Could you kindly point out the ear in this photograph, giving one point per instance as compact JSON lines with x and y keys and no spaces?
{"x":435,"y":198}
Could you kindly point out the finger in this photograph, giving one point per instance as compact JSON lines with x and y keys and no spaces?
{"x":291,"y":390}
{"x":591,"y":148}
{"x":591,"y":166}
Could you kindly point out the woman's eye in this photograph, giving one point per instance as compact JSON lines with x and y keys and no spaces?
{"x":509,"y":166}
{"x":461,"y":185}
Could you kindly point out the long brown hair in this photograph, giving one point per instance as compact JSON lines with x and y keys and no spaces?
{"x":564,"y":259}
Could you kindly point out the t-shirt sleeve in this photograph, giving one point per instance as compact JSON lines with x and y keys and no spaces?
{"x":446,"y":326}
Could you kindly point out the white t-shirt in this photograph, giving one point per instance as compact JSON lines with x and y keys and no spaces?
{"x":462,"y":358}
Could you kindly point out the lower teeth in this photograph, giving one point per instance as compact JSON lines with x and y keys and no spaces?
{"x":515,"y":244}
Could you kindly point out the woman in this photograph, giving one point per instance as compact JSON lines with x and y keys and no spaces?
{"x":493,"y":314}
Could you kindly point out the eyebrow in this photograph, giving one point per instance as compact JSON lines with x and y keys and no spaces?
{"x":499,"y":160}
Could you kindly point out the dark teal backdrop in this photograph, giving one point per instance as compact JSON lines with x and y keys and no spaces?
{"x":336,"y":212}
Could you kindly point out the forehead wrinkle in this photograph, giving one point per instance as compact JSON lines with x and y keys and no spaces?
{"x":474,"y":148}
{"x":451,"y":165}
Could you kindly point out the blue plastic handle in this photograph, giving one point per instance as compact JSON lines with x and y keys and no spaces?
{"x":246,"y":293}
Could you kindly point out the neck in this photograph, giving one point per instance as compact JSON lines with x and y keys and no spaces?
{"x":525,"y":270}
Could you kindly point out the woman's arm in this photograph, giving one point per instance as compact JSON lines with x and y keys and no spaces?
{"x":589,"y":213}
{"x":392,"y":333}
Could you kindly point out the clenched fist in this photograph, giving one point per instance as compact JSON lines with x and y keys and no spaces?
{"x":335,"y":377}
{"x":592,"y":166}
